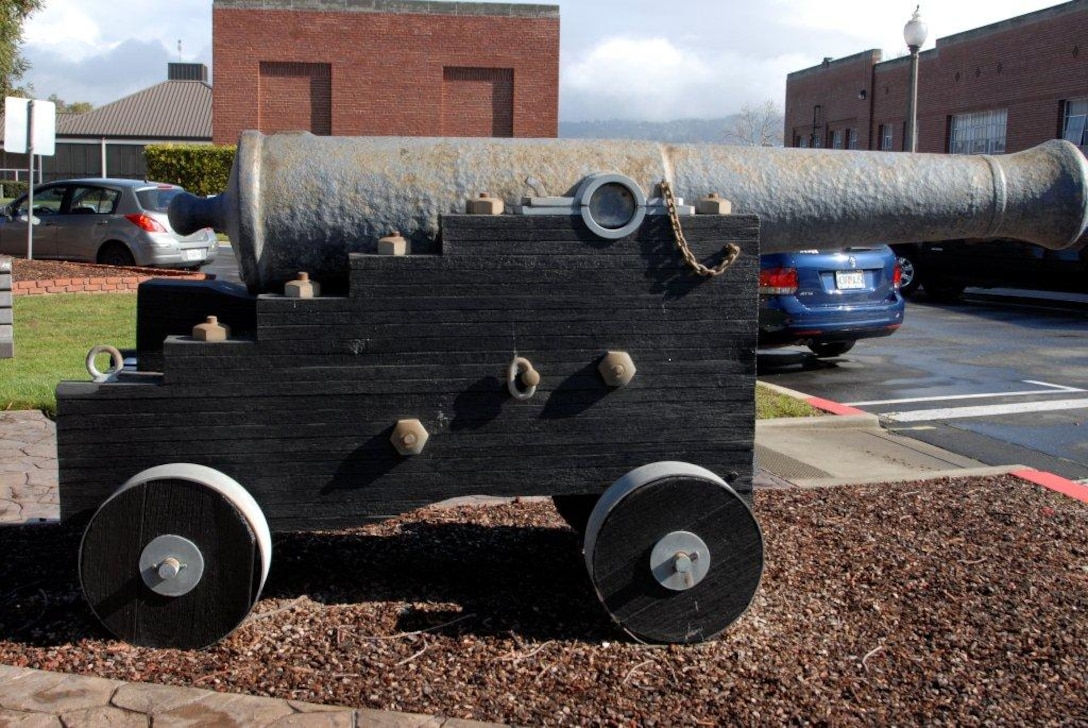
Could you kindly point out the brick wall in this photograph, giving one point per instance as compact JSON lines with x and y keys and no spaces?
{"x":1027,"y":65}
{"x":404,"y":68}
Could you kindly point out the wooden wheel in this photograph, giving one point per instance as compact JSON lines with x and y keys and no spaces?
{"x":175,"y":558}
{"x":674,"y":553}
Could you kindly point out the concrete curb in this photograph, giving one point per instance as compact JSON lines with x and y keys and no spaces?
{"x":846,"y":417}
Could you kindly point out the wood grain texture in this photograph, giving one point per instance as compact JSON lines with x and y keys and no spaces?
{"x":300,"y":408}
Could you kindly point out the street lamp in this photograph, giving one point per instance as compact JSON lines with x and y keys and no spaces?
{"x":914,"y":33}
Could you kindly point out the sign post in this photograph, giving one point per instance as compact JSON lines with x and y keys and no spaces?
{"x":30,"y":127}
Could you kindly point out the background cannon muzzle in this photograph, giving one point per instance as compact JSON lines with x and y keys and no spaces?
{"x":298,"y":202}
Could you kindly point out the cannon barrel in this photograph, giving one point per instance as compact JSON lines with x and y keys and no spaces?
{"x":302,"y":202}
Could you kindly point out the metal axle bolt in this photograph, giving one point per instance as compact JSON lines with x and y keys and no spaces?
{"x":170,"y":568}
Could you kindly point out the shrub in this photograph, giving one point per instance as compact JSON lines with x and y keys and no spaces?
{"x":202,"y":169}
{"x":11,"y":188}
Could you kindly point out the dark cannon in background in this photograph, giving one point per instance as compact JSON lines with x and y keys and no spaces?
{"x":499,"y":317}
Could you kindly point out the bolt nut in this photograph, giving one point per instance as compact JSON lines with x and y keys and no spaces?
{"x":713,"y":204}
{"x":617,"y":368}
{"x":484,"y":205}
{"x":302,"y":287}
{"x":393,"y":244}
{"x":409,"y":437}
{"x":211,"y":330}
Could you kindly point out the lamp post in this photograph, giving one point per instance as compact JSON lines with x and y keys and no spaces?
{"x":914,"y":33}
{"x":815,"y":116}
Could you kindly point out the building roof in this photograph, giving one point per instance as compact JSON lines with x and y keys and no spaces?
{"x":171,"y":110}
{"x":421,"y":7}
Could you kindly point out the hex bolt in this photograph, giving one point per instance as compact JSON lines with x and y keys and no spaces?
{"x":682,"y":564}
{"x":393,"y":244}
{"x":170,"y":568}
{"x":211,"y":330}
{"x":409,"y":437}
{"x":713,"y":204}
{"x":302,"y":287}
{"x":484,"y":205}
{"x":617,"y":368}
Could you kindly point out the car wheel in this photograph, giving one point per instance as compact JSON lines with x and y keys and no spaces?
{"x":908,"y":266}
{"x":942,"y":291}
{"x":834,"y":348}
{"x":116,"y":254}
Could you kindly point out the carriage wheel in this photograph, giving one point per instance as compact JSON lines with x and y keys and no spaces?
{"x":175,"y":558}
{"x":674,"y":553}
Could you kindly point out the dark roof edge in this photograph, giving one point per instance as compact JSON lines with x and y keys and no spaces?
{"x":1004,"y":25}
{"x":874,"y":55}
{"x":420,"y":7}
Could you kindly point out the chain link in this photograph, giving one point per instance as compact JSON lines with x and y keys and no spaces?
{"x":732,"y":252}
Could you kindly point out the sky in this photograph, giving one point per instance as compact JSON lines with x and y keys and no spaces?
{"x":619,"y":59}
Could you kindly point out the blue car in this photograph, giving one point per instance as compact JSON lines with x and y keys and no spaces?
{"x":828,"y":299}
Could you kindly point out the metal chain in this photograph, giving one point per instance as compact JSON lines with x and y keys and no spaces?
{"x":732,"y":252}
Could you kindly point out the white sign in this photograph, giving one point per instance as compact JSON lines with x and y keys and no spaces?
{"x":16,"y":118}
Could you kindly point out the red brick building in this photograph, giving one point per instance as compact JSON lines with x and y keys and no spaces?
{"x":999,"y":88}
{"x":385,"y":67}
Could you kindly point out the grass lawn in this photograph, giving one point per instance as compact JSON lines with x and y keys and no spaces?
{"x":54,"y":333}
{"x":52,"y":337}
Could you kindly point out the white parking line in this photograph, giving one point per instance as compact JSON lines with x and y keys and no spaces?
{"x":1051,"y":389}
{"x":952,"y":413}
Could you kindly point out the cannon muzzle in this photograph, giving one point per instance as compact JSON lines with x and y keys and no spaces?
{"x":301,"y":202}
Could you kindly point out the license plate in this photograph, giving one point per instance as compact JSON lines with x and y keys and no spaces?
{"x":194,"y":254}
{"x":849,"y":279}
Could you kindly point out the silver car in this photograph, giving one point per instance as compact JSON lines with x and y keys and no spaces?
{"x":109,"y":221}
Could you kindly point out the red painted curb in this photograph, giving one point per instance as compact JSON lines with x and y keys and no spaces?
{"x":1054,"y":482}
{"x":833,"y":407}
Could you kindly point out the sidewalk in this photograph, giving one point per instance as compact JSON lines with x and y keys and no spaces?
{"x":798,"y":452}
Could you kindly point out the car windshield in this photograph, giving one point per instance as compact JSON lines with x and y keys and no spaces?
{"x":157,"y":199}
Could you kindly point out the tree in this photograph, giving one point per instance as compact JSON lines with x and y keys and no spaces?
{"x":757,"y":126}
{"x":76,"y":107}
{"x":13,"y":13}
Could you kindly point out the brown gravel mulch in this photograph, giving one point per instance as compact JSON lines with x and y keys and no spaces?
{"x":955,"y":602}
{"x":46,"y":270}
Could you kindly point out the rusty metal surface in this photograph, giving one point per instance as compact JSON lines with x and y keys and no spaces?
{"x":302,"y":202}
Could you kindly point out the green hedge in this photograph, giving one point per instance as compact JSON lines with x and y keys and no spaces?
{"x":202,"y":169}
{"x":11,"y":188}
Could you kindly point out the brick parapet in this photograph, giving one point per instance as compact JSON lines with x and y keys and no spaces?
{"x":110,"y":284}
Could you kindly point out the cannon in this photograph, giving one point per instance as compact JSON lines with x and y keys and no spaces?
{"x":584,"y":330}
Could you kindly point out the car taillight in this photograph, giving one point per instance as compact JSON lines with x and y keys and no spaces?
{"x":778,"y":281}
{"x":897,"y":277}
{"x":144,"y":222}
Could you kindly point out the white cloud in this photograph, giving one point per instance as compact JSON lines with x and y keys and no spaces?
{"x":654,"y":80}
{"x":620,"y":58}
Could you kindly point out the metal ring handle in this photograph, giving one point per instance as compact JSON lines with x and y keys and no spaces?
{"x":117,"y":363}
{"x":518,"y":366}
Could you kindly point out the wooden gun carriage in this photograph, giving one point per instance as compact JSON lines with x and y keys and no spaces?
{"x":567,"y":347}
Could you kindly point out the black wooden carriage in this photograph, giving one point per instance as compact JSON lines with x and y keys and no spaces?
{"x":308,"y":415}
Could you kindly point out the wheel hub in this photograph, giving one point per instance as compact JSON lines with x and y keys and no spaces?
{"x":171,"y":565}
{"x":680,"y":560}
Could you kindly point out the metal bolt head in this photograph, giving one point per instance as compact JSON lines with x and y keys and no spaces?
{"x":169,"y":568}
{"x":211,"y":330}
{"x":617,"y":369}
{"x":409,"y":437}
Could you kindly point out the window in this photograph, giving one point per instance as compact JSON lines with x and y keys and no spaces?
{"x":837,"y":139}
{"x":851,"y":138}
{"x":817,"y":142}
{"x":980,"y":133}
{"x":886,"y":137}
{"x":47,"y":201}
{"x":800,"y":141}
{"x":94,"y":200}
{"x":1074,"y":122}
